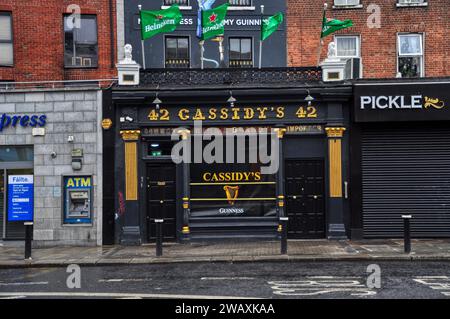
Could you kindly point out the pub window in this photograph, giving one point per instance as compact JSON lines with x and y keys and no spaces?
{"x":240,"y":3}
{"x":177,"y":52}
{"x":179,"y":2}
{"x":410,"y":55}
{"x":80,"y":44}
{"x":6,"y":39}
{"x":346,"y":2}
{"x":241,"y":53}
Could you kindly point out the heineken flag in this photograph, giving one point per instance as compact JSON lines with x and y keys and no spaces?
{"x":213,"y":22}
{"x":271,"y":25}
{"x":204,"y":5}
{"x":333,"y":25}
{"x":154,"y":22}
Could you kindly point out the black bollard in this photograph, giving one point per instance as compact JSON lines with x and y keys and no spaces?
{"x":159,"y":237}
{"x":283,"y":223}
{"x":407,"y":233}
{"x":28,"y":238}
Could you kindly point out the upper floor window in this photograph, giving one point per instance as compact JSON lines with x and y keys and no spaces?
{"x":240,"y":3}
{"x":177,"y":52}
{"x":346,"y":2}
{"x":241,"y":53}
{"x":80,"y":44}
{"x":347,"y":46}
{"x":6,"y":39}
{"x":412,"y":2}
{"x":410,"y":55}
{"x":179,"y":2}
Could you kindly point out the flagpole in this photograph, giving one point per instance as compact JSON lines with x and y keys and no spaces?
{"x":325,"y":6}
{"x":260,"y":39}
{"x":142,"y":41}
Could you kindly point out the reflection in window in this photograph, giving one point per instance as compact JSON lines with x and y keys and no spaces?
{"x":410,"y":55}
{"x":177,"y":52}
{"x":16,"y":154}
{"x":6,"y":39}
{"x":80,"y":44}
{"x":241,"y":55}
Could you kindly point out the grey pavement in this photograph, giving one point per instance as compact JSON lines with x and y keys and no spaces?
{"x":12,"y":253}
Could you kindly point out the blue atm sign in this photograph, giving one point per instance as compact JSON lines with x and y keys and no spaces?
{"x":20,"y":198}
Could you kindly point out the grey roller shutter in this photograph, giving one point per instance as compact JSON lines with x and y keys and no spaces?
{"x":406,"y":171}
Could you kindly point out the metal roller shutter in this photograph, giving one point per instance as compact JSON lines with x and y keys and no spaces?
{"x":406,"y":171}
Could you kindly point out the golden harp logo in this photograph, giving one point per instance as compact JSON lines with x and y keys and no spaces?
{"x":435,"y":103}
{"x":232,"y":193}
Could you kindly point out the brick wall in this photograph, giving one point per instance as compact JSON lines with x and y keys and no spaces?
{"x":69,"y":112}
{"x":39,"y":40}
{"x":378,"y":46}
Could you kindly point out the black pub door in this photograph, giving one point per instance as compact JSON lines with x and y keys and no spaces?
{"x":305,"y":202}
{"x":161,"y":200}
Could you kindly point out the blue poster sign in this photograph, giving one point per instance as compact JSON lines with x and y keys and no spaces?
{"x":20,"y":198}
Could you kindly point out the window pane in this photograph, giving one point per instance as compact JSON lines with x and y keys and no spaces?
{"x":6,"y":58}
{"x":183,"y":48}
{"x":346,"y":2}
{"x":235,"y":49}
{"x":346,"y":46}
{"x":88,"y":31}
{"x":5,"y":28}
{"x":410,"y":45}
{"x":16,"y":154}
{"x":410,"y":67}
{"x":246,"y":49}
{"x":171,"y":48}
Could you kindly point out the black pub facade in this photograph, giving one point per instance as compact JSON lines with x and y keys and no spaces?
{"x":215,"y":200}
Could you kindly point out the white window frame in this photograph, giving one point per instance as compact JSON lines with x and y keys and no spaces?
{"x":411,"y":3}
{"x":11,"y":41}
{"x":347,"y":5}
{"x":358,"y":45}
{"x":422,"y":54}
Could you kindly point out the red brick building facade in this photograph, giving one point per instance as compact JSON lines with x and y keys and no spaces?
{"x":378,"y":46}
{"x":38,"y":41}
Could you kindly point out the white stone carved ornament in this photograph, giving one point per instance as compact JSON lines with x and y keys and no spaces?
{"x":332,"y":53}
{"x":128,"y":53}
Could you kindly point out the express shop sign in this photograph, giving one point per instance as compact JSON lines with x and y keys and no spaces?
{"x":8,"y":121}
{"x":402,"y":102}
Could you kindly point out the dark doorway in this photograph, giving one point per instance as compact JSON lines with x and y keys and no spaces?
{"x":305,"y":202}
{"x":161,"y":200}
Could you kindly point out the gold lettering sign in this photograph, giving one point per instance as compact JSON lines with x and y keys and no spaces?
{"x":238,"y":113}
{"x":231,"y":177}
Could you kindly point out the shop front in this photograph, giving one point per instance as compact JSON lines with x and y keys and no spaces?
{"x":218,"y":168}
{"x":400,"y":146}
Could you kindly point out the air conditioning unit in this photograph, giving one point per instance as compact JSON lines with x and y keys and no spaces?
{"x":353,"y":68}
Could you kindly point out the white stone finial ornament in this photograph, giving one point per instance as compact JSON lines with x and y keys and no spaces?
{"x":332,"y":50}
{"x":127,"y":69}
{"x":128,"y":53}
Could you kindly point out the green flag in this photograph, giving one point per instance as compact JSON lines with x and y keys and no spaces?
{"x":331,"y":26}
{"x":271,"y":25}
{"x":213,"y":22}
{"x":154,"y":22}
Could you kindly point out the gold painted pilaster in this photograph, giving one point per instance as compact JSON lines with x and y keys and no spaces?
{"x":130,"y":137}
{"x":335,"y":135}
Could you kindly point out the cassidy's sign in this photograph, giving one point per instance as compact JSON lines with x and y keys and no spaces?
{"x":265,"y":113}
{"x":402,"y":102}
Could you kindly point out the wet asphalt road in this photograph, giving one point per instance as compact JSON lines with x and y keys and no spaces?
{"x":239,"y":280}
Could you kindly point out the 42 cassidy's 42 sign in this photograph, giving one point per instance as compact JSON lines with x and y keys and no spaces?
{"x":232,"y":114}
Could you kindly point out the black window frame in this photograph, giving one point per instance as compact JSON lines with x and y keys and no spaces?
{"x":9,"y":14}
{"x":92,"y":66}
{"x":179,"y":64}
{"x":172,"y":2}
{"x":237,"y":65}
{"x":248,"y":4}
